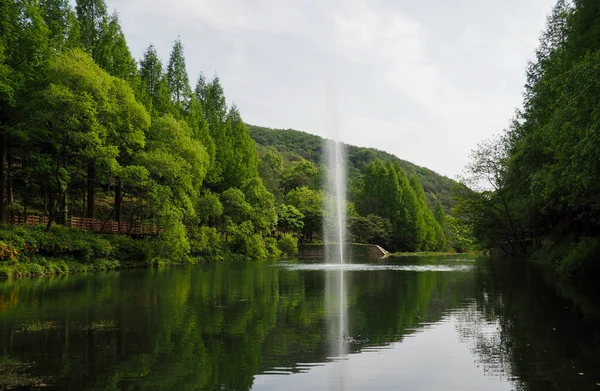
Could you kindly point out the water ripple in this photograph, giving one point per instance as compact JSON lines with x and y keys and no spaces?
{"x":371,"y":267}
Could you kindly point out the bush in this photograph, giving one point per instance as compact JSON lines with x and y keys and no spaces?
{"x":271,"y":247}
{"x":127,"y":249}
{"x":581,"y":258}
{"x":23,"y":242}
{"x":205,"y":242}
{"x":255,"y":247}
{"x":288,"y":245}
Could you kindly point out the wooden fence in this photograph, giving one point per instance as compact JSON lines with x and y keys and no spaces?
{"x":96,"y":225}
{"x":27,"y":220}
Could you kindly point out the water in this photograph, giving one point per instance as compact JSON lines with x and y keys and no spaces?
{"x":412,"y":324}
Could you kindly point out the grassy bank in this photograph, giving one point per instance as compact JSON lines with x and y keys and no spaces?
{"x":31,"y":251}
{"x":434,"y":254}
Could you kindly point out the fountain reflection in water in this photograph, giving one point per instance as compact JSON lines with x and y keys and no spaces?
{"x":335,"y":236}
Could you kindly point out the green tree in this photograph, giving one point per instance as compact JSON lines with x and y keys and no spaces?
{"x":92,"y":17}
{"x":209,"y":208}
{"x":154,"y":81}
{"x":70,"y":124}
{"x":310,"y":203}
{"x":113,"y":54}
{"x":235,"y":206}
{"x":177,"y":164}
{"x":300,"y":173}
{"x":24,"y":55}
{"x":215,"y":112}
{"x":439,"y":214}
{"x":194,"y":115}
{"x":289,"y":220}
{"x":409,"y":224}
{"x":270,"y":169}
{"x":434,"y":236}
{"x":372,"y":229}
{"x":61,"y":22}
{"x":238,"y":156}
{"x":177,"y":76}
{"x":264,"y":216}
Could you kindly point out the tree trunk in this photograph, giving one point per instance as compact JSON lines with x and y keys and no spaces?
{"x":64,"y":208}
{"x":3,"y":198}
{"x":53,"y":211}
{"x":118,"y":200}
{"x":91,"y":201}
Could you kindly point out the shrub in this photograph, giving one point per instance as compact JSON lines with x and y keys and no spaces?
{"x":255,"y":247}
{"x":271,"y":248}
{"x":205,"y":241}
{"x":580,"y":258}
{"x":288,"y":245}
{"x":127,"y":249}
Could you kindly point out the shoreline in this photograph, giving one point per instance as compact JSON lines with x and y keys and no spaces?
{"x":433,"y":254}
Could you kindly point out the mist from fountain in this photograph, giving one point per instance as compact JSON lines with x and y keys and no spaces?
{"x":335,"y":205}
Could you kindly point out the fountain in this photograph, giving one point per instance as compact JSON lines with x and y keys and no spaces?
{"x":335,"y":205}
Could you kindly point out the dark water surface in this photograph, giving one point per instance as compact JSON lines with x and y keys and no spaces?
{"x":448,"y":323}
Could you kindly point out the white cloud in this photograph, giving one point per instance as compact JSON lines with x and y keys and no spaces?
{"x":424,"y":80}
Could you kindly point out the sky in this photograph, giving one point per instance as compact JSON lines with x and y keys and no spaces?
{"x":426,"y":80}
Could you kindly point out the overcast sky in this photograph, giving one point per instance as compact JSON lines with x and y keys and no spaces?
{"x":423,"y":79}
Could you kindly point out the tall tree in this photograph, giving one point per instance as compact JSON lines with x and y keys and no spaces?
{"x":24,"y":53}
{"x":409,"y":223}
{"x":177,"y":76}
{"x":215,"y":113}
{"x":434,"y":236}
{"x":194,"y":115}
{"x":71,"y":125}
{"x":154,"y":81}
{"x":92,"y":17}
{"x":113,"y":54}
{"x":61,"y":22}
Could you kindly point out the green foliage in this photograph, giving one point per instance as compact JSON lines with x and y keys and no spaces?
{"x":289,"y":220}
{"x":272,"y":248}
{"x":177,"y":76}
{"x":205,"y":242}
{"x":154,"y":82}
{"x":84,"y":132}
{"x":459,"y":235}
{"x":310,"y":204}
{"x":235,"y":205}
{"x":535,"y":187}
{"x":289,"y":142}
{"x":263,"y":215}
{"x":300,"y":173}
{"x":270,"y":169}
{"x":288,"y":245}
{"x":29,"y":244}
{"x":372,"y":229}
{"x":92,"y":18}
{"x":209,"y":208}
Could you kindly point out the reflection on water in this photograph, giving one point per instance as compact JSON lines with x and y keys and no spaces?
{"x":362,"y":267}
{"x":336,"y":314}
{"x":426,"y":324}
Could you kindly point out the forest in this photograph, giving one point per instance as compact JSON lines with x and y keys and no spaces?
{"x":90,"y":135}
{"x":537,"y":182}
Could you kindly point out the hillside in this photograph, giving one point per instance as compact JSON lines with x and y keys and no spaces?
{"x":436,"y":186}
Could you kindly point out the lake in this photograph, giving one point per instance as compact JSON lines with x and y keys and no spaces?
{"x":426,"y":323}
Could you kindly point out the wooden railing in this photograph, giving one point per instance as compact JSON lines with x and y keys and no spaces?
{"x":27,"y":220}
{"x":96,"y":225}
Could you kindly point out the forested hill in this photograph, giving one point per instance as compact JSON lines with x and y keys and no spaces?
{"x":308,"y":146}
